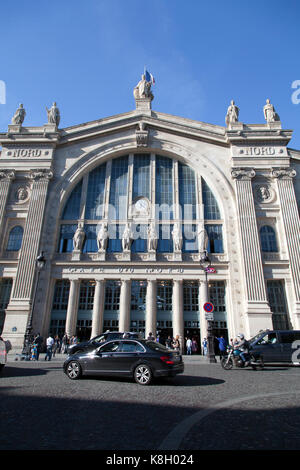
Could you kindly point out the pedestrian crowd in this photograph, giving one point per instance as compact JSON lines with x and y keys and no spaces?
{"x":54,"y":345}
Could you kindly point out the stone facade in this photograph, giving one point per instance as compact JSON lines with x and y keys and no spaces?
{"x":252,"y":174}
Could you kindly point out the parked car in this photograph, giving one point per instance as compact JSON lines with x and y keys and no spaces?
{"x":140,"y":359}
{"x":97,"y":340}
{"x":3,"y":354}
{"x":276,"y":346}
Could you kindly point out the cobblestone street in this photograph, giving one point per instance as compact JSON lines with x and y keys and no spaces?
{"x":204,"y":408}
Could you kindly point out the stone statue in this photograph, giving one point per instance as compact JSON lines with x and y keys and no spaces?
{"x":152,"y":237}
{"x":232,"y":114}
{"x":53,"y":115}
{"x":19,"y":116}
{"x":127,"y":238}
{"x":202,"y":239}
{"x":78,"y":238}
{"x":270,"y":113}
{"x":177,"y":237}
{"x":143,"y":89}
{"x":102,"y":238}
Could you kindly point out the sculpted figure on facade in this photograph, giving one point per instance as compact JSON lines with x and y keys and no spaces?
{"x":270,"y":113}
{"x":232,"y":114}
{"x":102,"y":238}
{"x":202,"y":239}
{"x":177,"y":237}
{"x":78,"y":238}
{"x":53,"y":115}
{"x":19,"y":116}
{"x":143,"y":89}
{"x":127,"y":238}
{"x":152,"y":237}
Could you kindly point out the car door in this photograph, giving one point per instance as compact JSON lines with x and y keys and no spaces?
{"x":288,"y":347}
{"x":129,"y":354}
{"x":269,"y":347}
{"x":104,"y":359}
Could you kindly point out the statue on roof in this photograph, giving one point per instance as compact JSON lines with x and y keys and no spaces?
{"x":53,"y":115}
{"x":143,"y":89}
{"x":270,"y":113}
{"x":232,"y":114}
{"x":19,"y":116}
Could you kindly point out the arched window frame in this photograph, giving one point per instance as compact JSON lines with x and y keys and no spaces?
{"x":15,"y":238}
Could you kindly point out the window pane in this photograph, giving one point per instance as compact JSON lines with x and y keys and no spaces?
{"x":187,"y":192}
{"x":211,"y":208}
{"x":141,"y":176}
{"x":190,"y":239}
{"x":118,"y":189}
{"x":139,"y":244}
{"x":165,"y":241}
{"x":164,"y":188}
{"x":72,"y":208}
{"x":61,"y":295}
{"x":112,"y":295}
{"x":66,"y":238}
{"x":215,"y":244}
{"x":95,"y":193}
{"x":15,"y":239}
{"x":90,"y":242}
{"x":138,"y":295}
{"x":268,"y":239}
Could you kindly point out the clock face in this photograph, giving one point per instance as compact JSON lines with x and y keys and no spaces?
{"x":141,"y":206}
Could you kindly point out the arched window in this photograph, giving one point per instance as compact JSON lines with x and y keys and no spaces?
{"x":268,"y":239}
{"x":15,"y":239}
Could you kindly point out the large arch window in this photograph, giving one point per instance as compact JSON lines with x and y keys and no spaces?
{"x":165,"y":189}
{"x":15,"y":239}
{"x":268,"y":239}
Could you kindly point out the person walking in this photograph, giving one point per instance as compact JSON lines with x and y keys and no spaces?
{"x":204,"y":347}
{"x":38,"y":341}
{"x":194,"y":346}
{"x":49,"y":345}
{"x":189,"y":345}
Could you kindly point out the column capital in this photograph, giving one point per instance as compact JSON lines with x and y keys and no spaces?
{"x":7,"y":175}
{"x":283,"y":173}
{"x":243,"y":173}
{"x":41,"y":174}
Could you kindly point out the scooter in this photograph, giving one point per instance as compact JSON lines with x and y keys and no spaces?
{"x":233,"y":358}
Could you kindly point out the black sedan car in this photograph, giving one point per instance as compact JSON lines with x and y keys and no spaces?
{"x":142,"y":360}
{"x":98,"y":340}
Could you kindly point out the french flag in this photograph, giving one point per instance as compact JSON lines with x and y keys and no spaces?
{"x":149,"y":77}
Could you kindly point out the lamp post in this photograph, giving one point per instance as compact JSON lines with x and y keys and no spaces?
{"x":39,"y":263}
{"x":205,"y":263}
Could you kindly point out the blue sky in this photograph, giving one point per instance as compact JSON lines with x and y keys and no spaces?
{"x":88,"y":56}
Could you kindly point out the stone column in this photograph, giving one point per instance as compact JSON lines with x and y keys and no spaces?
{"x":203,"y":298}
{"x":72,"y":310}
{"x":177,"y":299}
{"x":98,"y":309}
{"x":19,"y":308}
{"x":151,"y":308}
{"x":125,"y":301}
{"x":255,"y":289}
{"x":291,"y":223}
{"x":6,"y":177}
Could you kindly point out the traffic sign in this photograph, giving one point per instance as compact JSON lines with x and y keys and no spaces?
{"x":208,"y":307}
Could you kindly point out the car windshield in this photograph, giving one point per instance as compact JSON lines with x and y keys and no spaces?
{"x":259,"y":335}
{"x":157,"y":346}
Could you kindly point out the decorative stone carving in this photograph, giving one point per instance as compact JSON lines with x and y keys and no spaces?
{"x":53,"y":115}
{"x":41,"y":174}
{"x":241,"y":173}
{"x":270,"y":113}
{"x":7,"y":175}
{"x":102,"y":238}
{"x":264,"y":193}
{"x":19,"y":116}
{"x":127,"y":238}
{"x":141,"y":207}
{"x":283,"y":173}
{"x":78,"y":238}
{"x":22,"y":194}
{"x":177,"y":238}
{"x":152,"y":237}
{"x":142,"y":135}
{"x":232,"y":114}
{"x":202,"y":239}
{"x":143,"y":89}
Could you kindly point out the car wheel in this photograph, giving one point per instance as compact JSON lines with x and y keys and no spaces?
{"x":73,"y":370}
{"x":143,"y":374}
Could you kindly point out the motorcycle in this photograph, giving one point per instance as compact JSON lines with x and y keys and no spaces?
{"x":233,"y":358}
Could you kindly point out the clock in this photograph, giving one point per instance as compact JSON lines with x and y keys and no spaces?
{"x":141,"y":206}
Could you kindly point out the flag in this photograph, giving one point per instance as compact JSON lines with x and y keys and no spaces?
{"x":149,"y":77}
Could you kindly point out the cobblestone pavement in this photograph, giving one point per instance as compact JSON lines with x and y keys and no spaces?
{"x":204,"y":408}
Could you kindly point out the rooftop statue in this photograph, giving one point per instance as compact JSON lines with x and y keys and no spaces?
{"x":232,"y":114}
{"x":143,"y":89}
{"x":19,"y":116}
{"x":53,"y":115}
{"x":270,"y":113}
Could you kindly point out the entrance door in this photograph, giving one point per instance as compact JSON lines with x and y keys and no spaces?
{"x":194,"y":335}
